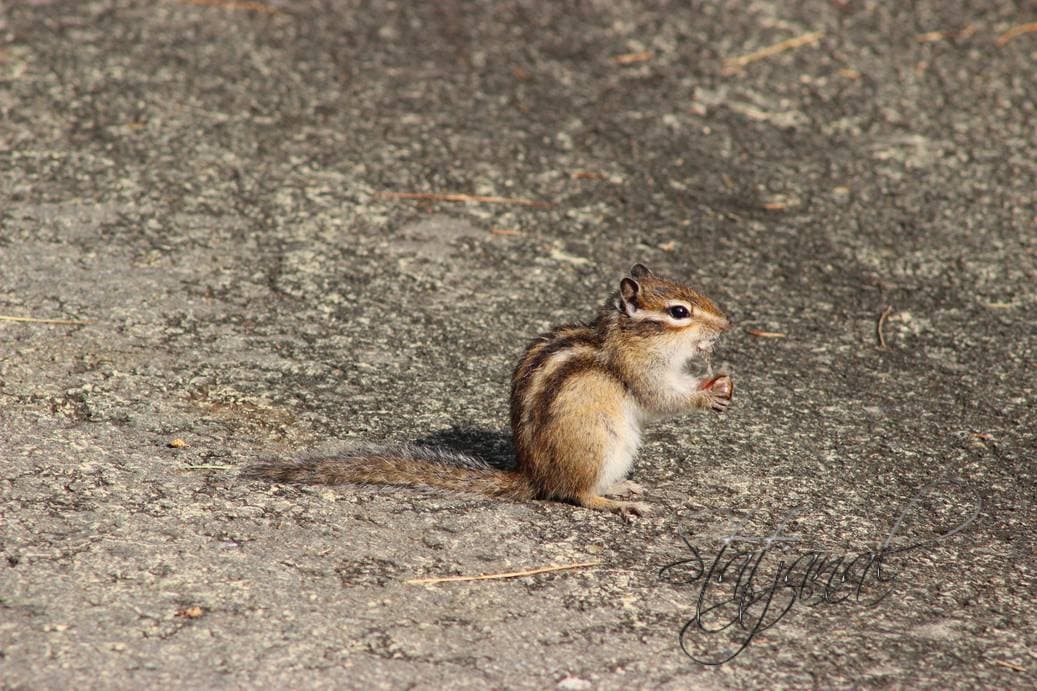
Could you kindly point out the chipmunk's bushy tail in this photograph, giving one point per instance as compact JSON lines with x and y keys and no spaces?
{"x":402,"y":465}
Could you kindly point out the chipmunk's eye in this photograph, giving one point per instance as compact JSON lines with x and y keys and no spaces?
{"x":678,"y":312}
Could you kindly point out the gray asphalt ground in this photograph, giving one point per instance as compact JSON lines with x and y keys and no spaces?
{"x":203,"y":185}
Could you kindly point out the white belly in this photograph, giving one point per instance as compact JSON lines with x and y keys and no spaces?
{"x":625,"y":433}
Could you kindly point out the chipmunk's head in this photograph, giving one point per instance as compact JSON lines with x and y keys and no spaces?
{"x":682,"y":317}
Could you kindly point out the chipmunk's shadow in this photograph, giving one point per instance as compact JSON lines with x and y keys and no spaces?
{"x":492,"y":446}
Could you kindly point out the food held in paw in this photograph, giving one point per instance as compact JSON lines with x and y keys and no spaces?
{"x":721,"y":386}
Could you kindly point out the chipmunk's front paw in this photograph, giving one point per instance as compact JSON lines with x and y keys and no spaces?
{"x":721,"y":390}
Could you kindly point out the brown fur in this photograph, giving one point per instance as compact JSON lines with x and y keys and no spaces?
{"x":403,"y":465}
{"x":568,"y":395}
{"x":574,"y":438}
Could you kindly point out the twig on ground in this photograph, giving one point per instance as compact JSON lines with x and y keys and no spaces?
{"x":630,"y":58}
{"x":881,"y":325}
{"x":1010,"y":665}
{"x":34,"y":320}
{"x":207,"y":467}
{"x":931,"y":36}
{"x":735,"y":64}
{"x":496,"y":576}
{"x":766,"y":334}
{"x":236,"y":5}
{"x":1015,"y":32}
{"x":934,"y":36}
{"x":474,"y":198}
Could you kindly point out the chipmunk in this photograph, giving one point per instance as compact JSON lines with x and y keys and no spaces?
{"x":579,"y":397}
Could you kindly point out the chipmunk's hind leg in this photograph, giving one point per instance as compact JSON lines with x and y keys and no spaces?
{"x":624,"y":488}
{"x":588,"y":441}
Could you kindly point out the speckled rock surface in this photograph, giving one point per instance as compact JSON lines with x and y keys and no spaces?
{"x":204,"y":183}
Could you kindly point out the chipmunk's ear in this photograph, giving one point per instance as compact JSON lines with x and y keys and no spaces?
{"x":628,"y":292}
{"x":640,"y":270}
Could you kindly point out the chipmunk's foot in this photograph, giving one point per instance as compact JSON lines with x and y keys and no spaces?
{"x":626,"y":509}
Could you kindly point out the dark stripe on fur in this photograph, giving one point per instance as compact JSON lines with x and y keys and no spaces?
{"x":529,"y":366}
{"x":553,"y":386}
{"x":642,"y":327}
